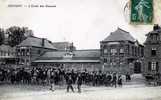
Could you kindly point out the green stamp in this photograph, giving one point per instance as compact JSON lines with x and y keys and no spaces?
{"x":141,"y":11}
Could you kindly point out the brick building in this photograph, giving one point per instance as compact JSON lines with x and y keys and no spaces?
{"x":121,"y":52}
{"x":77,"y":59}
{"x":7,"y":54}
{"x":32,"y":48}
{"x":152,"y":50}
{"x":118,"y":52}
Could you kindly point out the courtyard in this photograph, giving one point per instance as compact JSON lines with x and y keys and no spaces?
{"x":137,"y":89}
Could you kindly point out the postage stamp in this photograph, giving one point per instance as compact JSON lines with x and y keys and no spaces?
{"x":141,"y":11}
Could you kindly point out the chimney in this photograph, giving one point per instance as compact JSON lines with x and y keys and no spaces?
{"x":43,"y":42}
{"x":156,"y":27}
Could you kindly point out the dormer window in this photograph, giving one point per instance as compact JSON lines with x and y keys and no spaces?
{"x":153,"y":52}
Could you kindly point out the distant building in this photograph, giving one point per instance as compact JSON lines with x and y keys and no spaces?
{"x":32,"y":48}
{"x":121,"y":52}
{"x":77,"y":59}
{"x":64,"y":46}
{"x":7,"y":54}
{"x":152,"y":50}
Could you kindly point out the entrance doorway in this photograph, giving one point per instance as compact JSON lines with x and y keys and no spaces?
{"x":137,"y":67}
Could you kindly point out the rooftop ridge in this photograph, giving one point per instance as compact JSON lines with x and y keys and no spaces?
{"x":76,"y":50}
{"x":39,"y":38}
{"x":122,"y":30}
{"x":61,"y":42}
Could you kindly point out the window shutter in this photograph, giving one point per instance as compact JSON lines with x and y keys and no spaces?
{"x":149,"y":66}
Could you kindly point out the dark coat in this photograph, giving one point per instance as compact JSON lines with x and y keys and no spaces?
{"x":79,"y":80}
{"x":69,"y":81}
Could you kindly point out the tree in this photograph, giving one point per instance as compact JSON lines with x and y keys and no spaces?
{"x":2,"y":37}
{"x":27,"y":31}
{"x":17,"y":35}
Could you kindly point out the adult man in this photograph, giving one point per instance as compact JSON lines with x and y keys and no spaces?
{"x":52,"y":84}
{"x":79,"y":82}
{"x":114,"y":80}
{"x":69,"y":84}
{"x":120,"y":80}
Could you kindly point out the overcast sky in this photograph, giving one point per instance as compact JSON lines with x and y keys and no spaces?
{"x":84,"y":22}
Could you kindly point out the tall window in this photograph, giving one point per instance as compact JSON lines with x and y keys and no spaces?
{"x":121,"y":51}
{"x":113,"y":51}
{"x":105,"y":51}
{"x":133,"y":50}
{"x":27,"y":62}
{"x":22,"y":52}
{"x":128,"y":49}
{"x":105,"y":60}
{"x":27,"y":52}
{"x":18,"y":52}
{"x":153,"y":51}
{"x":153,"y":66}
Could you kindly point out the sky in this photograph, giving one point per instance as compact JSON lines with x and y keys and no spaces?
{"x":83,"y":22}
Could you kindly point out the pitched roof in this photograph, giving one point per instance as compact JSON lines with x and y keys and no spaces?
{"x":119,"y":35}
{"x":77,"y":53}
{"x":78,"y":56}
{"x":36,"y":42}
{"x":87,"y":53}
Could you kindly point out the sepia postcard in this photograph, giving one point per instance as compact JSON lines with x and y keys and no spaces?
{"x":80,"y":49}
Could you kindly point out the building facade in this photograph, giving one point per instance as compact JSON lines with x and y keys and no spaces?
{"x":77,"y":59}
{"x":121,"y":52}
{"x":152,"y":50}
{"x":32,"y":48}
{"x":7,"y":54}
